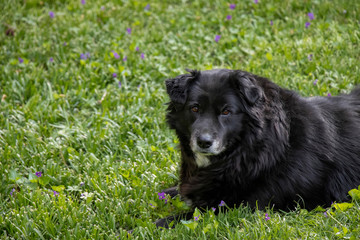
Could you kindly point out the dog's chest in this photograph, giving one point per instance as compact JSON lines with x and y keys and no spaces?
{"x":201,"y":160}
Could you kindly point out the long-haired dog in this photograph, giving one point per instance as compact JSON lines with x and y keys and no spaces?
{"x":246,"y":140}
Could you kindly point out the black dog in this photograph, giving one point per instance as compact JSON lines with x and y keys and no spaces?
{"x":246,"y":140}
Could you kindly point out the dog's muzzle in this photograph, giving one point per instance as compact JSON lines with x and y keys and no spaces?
{"x":205,"y":144}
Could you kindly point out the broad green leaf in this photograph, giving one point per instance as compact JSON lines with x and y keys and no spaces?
{"x":319,"y":209}
{"x":190,"y":224}
{"x":14,"y":175}
{"x":89,"y":198}
{"x":73,"y":188}
{"x":355,"y":194}
{"x":44,"y":180}
{"x":121,"y":68}
{"x":58,"y":188}
{"x":343,"y":206}
{"x":31,"y":185}
{"x":112,"y":69}
{"x":33,"y":178}
{"x":207,"y":228}
{"x":132,"y":46}
{"x":14,"y":61}
{"x":269,"y":56}
{"x":179,"y":204}
{"x":95,"y":64}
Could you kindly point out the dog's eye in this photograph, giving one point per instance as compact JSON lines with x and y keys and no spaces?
{"x":225,"y":112}
{"x":195,"y":109}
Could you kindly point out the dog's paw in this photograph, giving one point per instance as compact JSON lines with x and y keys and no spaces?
{"x":173,"y":191}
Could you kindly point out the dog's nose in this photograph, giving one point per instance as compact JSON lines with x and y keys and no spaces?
{"x":204,"y":141}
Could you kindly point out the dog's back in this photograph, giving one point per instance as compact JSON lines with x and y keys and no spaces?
{"x":341,"y":116}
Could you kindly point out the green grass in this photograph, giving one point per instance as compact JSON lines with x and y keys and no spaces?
{"x":106,"y":149}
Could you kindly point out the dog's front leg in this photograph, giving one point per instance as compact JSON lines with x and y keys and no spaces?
{"x":171,"y":221}
{"x":173,"y":191}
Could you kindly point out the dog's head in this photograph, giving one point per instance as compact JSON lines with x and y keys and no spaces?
{"x":209,"y":109}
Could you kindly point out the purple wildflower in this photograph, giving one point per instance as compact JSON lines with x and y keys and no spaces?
{"x":114,"y":75}
{"x":217,"y":38}
{"x":151,"y":205}
{"x":116,"y":55}
{"x":55,"y":193}
{"x":271,"y":22}
{"x":119,"y":84}
{"x":12,"y":191}
{"x":256,"y":1}
{"x":311,"y":16}
{"x":161,"y":195}
{"x":196,"y":218}
{"x":329,"y":95}
{"x":232,"y":6}
{"x":137,"y":49}
{"x":142,"y":55}
{"x":147,"y":7}
{"x":310,"y":57}
{"x":214,"y":209}
{"x":222,"y":203}
{"x":307,"y":24}
{"x":51,"y":14}
{"x":128,"y":30}
{"x":228,"y":17}
{"x":125,"y":59}
{"x":325,"y":214}
{"x":65,"y":43}
{"x":102,"y":8}
{"x":21,"y":60}
{"x":267,"y":218}
{"x":315,"y":82}
{"x":51,"y":59}
{"x":38,"y":174}
{"x":82,"y":184}
{"x":84,"y":56}
{"x":83,"y":2}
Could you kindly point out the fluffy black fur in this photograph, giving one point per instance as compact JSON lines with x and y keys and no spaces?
{"x":246,"y":140}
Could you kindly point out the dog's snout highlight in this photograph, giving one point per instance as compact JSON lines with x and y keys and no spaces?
{"x":204,"y":141}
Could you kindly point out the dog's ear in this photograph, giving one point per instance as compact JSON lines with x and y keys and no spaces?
{"x":252,"y":94}
{"x":177,"y":87}
{"x":246,"y":83}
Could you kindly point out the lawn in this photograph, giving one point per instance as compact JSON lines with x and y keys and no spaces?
{"x":84,"y":147}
